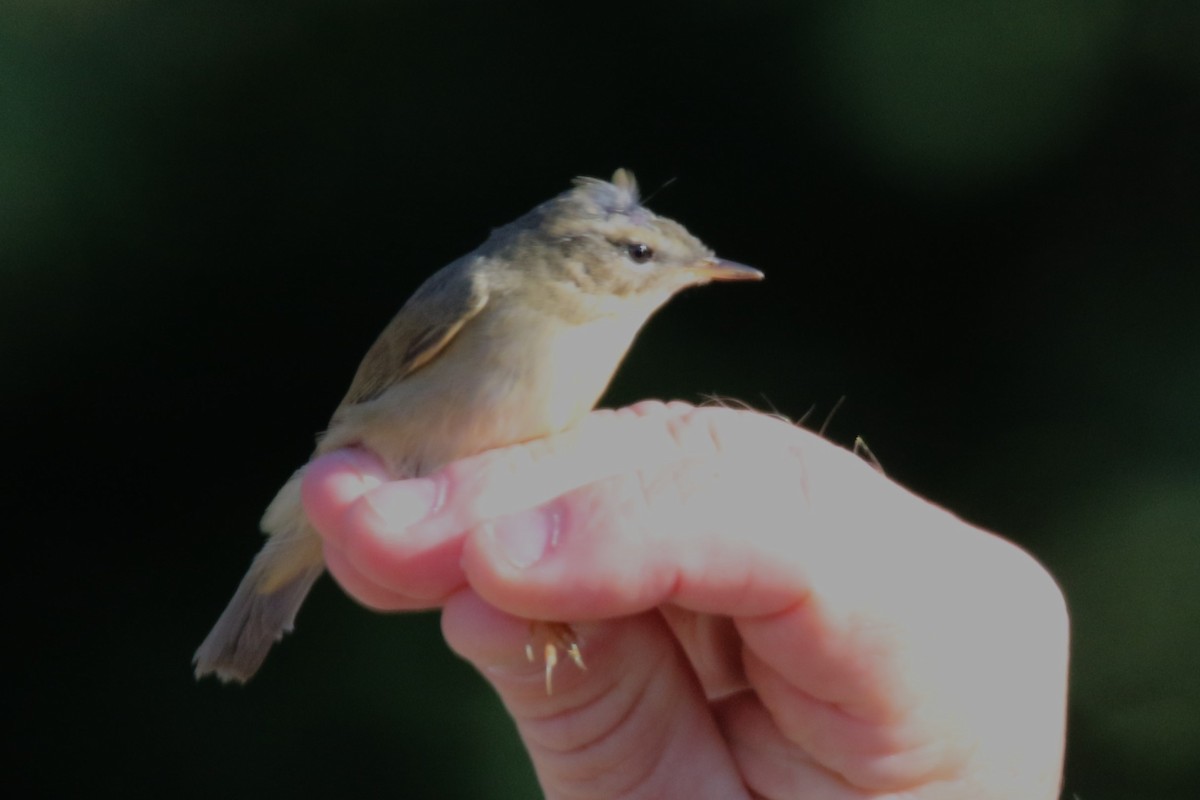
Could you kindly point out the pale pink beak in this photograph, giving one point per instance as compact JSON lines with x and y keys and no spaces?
{"x":718,"y":269}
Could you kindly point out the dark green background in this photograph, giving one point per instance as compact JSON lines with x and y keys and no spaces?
{"x":979,"y":223}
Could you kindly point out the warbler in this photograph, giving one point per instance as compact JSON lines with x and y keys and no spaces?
{"x":514,"y":341}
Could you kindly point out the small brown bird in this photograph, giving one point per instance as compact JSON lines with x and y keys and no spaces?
{"x":513,"y":341}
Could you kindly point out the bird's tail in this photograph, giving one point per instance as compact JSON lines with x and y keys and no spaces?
{"x":264,"y":606}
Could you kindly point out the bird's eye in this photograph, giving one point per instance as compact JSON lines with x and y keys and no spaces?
{"x":640,"y":253}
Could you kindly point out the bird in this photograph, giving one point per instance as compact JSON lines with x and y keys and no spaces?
{"x":511,"y":342}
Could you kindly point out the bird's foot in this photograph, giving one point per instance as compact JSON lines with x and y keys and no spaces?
{"x":558,"y":636}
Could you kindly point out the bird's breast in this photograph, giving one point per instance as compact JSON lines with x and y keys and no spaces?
{"x":513,"y":378}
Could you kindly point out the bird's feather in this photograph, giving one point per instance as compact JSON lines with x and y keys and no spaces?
{"x":421,"y":330}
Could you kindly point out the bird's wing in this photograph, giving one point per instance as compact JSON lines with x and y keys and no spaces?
{"x":423,"y":327}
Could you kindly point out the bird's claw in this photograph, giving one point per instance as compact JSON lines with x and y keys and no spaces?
{"x":558,"y":635}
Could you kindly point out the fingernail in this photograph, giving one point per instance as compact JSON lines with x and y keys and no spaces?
{"x":363,"y":475}
{"x":524,"y":537}
{"x":401,"y":504}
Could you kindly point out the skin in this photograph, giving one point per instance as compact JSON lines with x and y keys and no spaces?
{"x":762,"y":613}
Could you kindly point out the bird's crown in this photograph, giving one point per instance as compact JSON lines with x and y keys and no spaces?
{"x":612,"y":211}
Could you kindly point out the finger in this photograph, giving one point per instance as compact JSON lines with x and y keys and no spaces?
{"x":371,"y":541}
{"x":773,"y":766}
{"x":635,"y":724}
{"x":405,"y":536}
{"x":365,"y":590}
{"x":713,"y":647}
{"x":333,"y":482}
{"x":718,"y":529}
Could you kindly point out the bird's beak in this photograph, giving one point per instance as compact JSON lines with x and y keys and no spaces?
{"x":718,"y":269}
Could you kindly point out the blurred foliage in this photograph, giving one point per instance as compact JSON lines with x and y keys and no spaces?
{"x":949,"y":92}
{"x":979,"y":225}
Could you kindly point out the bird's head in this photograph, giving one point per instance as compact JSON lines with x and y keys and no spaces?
{"x":600,"y":242}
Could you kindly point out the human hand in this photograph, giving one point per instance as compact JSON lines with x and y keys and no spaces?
{"x":762,"y":614}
